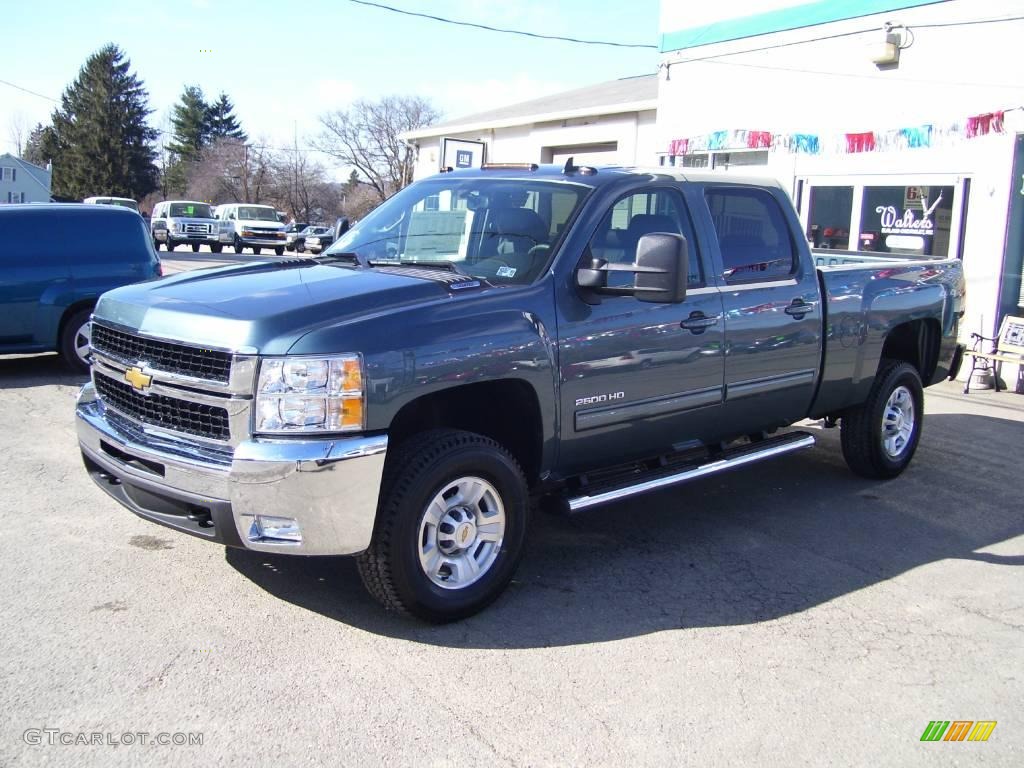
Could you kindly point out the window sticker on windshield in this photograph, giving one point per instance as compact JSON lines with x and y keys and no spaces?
{"x":506,"y":272}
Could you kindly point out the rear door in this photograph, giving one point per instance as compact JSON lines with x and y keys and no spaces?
{"x":636,"y":377}
{"x":772,"y":304}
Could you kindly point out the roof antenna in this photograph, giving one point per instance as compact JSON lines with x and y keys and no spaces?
{"x":569,"y":167}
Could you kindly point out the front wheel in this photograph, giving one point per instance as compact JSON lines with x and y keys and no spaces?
{"x":75,"y":341}
{"x":216,"y":247}
{"x":170,"y":245}
{"x":195,"y":247}
{"x":238,"y":244}
{"x":879,"y":436}
{"x":256,"y":249}
{"x":279,"y":250}
{"x":450,"y":526}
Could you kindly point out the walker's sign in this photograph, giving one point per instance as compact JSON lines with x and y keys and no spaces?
{"x":908,"y":224}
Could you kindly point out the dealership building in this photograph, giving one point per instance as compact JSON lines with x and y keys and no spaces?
{"x":896,"y":124}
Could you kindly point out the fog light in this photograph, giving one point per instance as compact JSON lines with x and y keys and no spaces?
{"x":276,"y":528}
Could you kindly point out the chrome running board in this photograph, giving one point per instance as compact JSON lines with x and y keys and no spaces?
{"x":730,"y":459}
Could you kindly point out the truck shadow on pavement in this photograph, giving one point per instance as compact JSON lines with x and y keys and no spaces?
{"x":750,"y":546}
{"x":26,"y":371}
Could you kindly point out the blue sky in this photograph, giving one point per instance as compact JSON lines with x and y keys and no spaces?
{"x":283,"y":64}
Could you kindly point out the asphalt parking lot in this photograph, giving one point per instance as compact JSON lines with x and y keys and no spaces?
{"x":786,"y":614}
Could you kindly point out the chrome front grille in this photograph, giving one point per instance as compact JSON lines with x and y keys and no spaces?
{"x":197,"y":229}
{"x":180,"y":359}
{"x":210,"y":422}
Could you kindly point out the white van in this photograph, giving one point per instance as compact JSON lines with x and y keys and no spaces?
{"x":184,"y":222}
{"x":245,"y":225}
{"x":123,"y":202}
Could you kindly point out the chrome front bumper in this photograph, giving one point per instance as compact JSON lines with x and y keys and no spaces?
{"x":329,"y":486}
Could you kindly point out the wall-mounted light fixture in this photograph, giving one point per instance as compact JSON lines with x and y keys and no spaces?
{"x":885,"y":54}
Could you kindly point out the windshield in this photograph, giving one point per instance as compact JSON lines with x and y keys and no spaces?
{"x":191,"y":210}
{"x":499,"y":229}
{"x":257,"y":213}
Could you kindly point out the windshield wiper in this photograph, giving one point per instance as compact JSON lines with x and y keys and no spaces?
{"x":349,"y":257}
{"x":445,"y":265}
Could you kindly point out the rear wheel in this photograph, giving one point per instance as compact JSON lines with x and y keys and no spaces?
{"x":75,"y":338}
{"x":450,"y":526}
{"x":880,"y":436}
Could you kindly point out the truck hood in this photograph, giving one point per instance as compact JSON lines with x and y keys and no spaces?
{"x":260,"y":308}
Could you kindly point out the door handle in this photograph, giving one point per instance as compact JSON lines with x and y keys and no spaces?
{"x":698,"y":322}
{"x":799,"y":308}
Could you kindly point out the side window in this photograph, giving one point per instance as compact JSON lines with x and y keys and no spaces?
{"x":753,"y":236}
{"x":639,"y":214}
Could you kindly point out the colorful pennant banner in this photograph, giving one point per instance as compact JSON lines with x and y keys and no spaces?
{"x":913,"y":137}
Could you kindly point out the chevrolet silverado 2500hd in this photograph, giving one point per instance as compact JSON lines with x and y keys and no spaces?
{"x":493,"y":337}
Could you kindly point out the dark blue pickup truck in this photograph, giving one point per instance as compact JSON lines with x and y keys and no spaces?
{"x":492,"y":341}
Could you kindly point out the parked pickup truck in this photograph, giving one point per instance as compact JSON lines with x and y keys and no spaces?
{"x":491,"y":341}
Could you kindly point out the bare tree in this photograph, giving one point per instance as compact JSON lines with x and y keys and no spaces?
{"x":231,"y":170}
{"x":299,"y":186}
{"x":18,"y":131}
{"x":366,"y":137}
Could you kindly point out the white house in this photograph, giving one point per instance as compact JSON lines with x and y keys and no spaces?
{"x":23,"y":182}
{"x":609,"y":123}
{"x":897,"y":124}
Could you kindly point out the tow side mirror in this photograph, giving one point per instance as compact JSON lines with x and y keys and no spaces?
{"x":665,"y":259}
{"x":662,"y":268}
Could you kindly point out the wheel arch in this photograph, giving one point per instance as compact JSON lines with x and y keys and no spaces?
{"x":506,"y":410}
{"x":915,"y":342}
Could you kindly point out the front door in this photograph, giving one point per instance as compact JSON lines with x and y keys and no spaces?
{"x":637,"y":377}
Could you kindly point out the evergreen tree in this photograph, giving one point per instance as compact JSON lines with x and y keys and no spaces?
{"x":100,"y":142}
{"x":41,"y":145}
{"x":221,"y":122}
{"x":190,"y":125}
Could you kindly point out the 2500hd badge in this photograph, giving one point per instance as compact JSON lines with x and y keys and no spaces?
{"x":599,"y":398}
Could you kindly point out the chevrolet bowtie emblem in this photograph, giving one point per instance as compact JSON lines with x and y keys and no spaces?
{"x":139,"y":380}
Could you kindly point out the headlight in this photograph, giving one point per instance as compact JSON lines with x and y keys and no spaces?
{"x":175,"y":226}
{"x":310,"y":394}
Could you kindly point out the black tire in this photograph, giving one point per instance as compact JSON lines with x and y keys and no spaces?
{"x":238,"y":245}
{"x":156,"y":244}
{"x":195,"y":247}
{"x":279,"y":250}
{"x":256,"y":249}
{"x":862,"y":433}
{"x":216,"y":248}
{"x":300,"y":248}
{"x":170,"y":245}
{"x":71,"y":335}
{"x":413,"y":476}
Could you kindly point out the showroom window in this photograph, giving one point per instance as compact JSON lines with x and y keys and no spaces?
{"x":912,"y":219}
